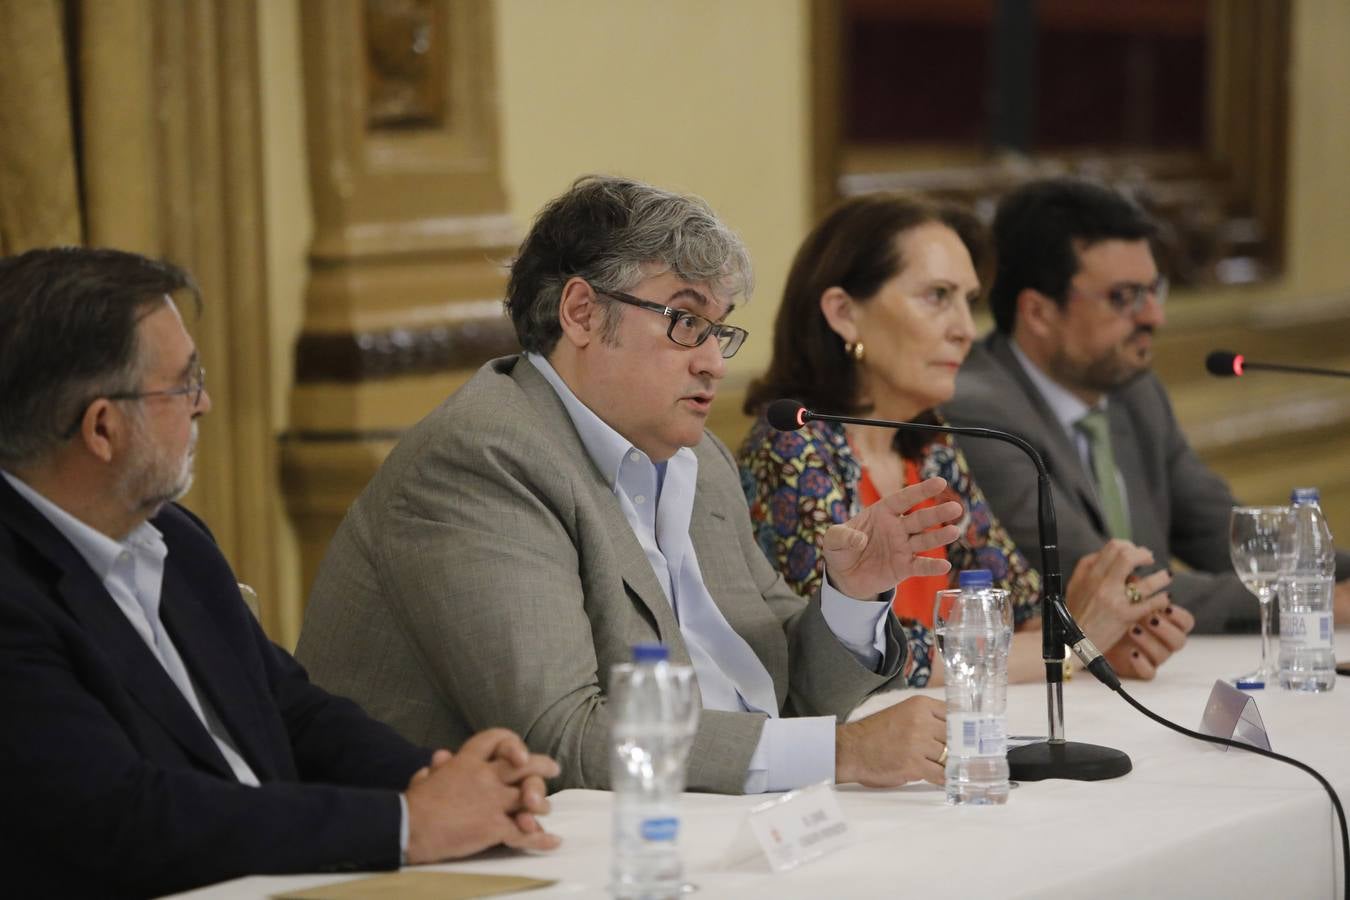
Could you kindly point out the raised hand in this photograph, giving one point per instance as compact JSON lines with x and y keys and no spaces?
{"x":880,"y":547}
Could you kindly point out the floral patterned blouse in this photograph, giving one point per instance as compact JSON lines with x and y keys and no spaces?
{"x":799,"y":483}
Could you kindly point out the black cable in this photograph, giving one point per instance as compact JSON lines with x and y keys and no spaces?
{"x":1331,"y":792}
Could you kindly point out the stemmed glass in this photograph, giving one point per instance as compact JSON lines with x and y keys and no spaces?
{"x":1259,"y":557}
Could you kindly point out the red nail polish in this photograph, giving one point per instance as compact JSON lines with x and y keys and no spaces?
{"x":1137,"y":630}
{"x":1134,"y":653}
{"x":1153,"y":621}
{"x":1168,"y":610}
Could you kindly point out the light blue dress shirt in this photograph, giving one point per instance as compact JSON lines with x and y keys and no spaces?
{"x":1068,"y":410}
{"x":657,"y":500}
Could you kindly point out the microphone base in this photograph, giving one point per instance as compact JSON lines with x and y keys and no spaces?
{"x":1069,"y":760}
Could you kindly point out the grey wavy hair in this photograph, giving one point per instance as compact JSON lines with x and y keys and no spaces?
{"x":615,"y":232}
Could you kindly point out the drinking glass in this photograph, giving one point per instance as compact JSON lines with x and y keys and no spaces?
{"x":1259,"y":558}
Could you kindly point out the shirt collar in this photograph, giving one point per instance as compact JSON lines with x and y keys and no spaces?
{"x":605,"y":446}
{"x":1068,"y":409}
{"x":99,"y":551}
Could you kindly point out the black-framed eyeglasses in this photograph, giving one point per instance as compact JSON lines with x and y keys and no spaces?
{"x":686,"y":328}
{"x":193,"y":389}
{"x":1130,"y":299}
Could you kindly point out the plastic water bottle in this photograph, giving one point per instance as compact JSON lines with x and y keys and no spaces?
{"x":974,"y":632}
{"x":654,"y":710}
{"x":1307,"y":657}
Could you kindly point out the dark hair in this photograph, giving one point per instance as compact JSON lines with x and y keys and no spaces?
{"x":611,"y":232}
{"x":856,"y":248}
{"x":68,"y":320}
{"x":1035,"y":231}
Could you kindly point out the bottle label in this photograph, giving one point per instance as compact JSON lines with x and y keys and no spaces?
{"x":972,"y":734}
{"x":1306,"y":630}
{"x":666,"y":828}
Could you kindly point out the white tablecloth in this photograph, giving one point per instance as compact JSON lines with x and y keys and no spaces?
{"x":1191,"y":820}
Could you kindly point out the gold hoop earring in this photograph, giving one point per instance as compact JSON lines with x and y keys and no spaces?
{"x":857,"y":351}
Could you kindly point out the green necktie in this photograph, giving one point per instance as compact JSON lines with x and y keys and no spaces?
{"x":1098,"y":431}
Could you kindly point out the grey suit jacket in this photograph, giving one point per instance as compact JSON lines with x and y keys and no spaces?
{"x":487,"y":576}
{"x":1178,"y":507}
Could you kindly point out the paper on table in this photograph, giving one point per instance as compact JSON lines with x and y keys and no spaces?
{"x":440,"y":885}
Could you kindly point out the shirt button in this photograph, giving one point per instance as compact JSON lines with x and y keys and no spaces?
{"x":635,"y":456}
{"x":640,"y":498}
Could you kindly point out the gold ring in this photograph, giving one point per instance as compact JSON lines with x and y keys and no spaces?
{"x":1133,"y":594}
{"x":942,"y":758}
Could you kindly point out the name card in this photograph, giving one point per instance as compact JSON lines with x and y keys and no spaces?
{"x":800,"y":826}
{"x":1231,"y":714}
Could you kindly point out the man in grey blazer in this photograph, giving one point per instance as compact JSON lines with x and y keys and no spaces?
{"x":567,"y":503}
{"x":1076,"y":301}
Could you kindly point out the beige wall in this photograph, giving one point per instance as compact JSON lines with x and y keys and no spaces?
{"x":1319,"y":157}
{"x":703,"y":96}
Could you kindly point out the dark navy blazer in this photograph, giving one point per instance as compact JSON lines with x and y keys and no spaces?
{"x":109,"y":783}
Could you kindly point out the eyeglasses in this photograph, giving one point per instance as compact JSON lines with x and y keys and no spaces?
{"x":195,"y":387}
{"x":1129,"y":299}
{"x":689,"y":329}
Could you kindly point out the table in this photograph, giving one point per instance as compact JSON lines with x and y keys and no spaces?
{"x":1191,"y":820}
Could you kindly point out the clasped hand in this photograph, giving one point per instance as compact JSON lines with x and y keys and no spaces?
{"x":488,"y":793}
{"x":1136,"y":637}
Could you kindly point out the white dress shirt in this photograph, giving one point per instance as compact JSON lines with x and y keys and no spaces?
{"x":657,"y":500}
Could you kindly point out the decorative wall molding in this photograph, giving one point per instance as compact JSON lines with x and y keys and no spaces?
{"x":395,"y":352}
{"x":410,"y":237}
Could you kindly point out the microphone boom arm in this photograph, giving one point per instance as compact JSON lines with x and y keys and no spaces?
{"x":1058,"y":625}
{"x":1057,"y":757}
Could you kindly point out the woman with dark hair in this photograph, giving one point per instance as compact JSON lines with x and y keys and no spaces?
{"x":875,"y":321}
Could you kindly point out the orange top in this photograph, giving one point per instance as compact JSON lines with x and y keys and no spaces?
{"x":914,"y":596}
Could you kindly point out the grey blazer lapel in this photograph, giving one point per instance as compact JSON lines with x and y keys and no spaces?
{"x":1066,"y":466}
{"x":634,"y":567}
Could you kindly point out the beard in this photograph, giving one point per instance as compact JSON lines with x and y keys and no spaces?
{"x":153,"y":476}
{"x":1113,"y":369}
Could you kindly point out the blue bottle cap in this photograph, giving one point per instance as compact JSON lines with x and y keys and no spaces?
{"x":650,"y":653}
{"x":976,"y":578}
{"x":1301,"y":496}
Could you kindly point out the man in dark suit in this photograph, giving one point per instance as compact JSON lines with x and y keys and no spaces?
{"x":1076,"y":301}
{"x":151,"y":738}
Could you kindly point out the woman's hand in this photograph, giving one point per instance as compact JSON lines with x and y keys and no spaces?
{"x":1100,"y":598}
{"x":1149,"y":643}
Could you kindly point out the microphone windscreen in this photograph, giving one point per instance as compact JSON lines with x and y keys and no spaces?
{"x":1224,"y":363}
{"x":785,"y":414}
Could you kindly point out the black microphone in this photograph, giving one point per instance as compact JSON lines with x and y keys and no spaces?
{"x":1227,"y":364}
{"x":1057,"y":758}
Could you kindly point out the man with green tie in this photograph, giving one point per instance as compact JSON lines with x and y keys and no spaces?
{"x":1076,"y":301}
